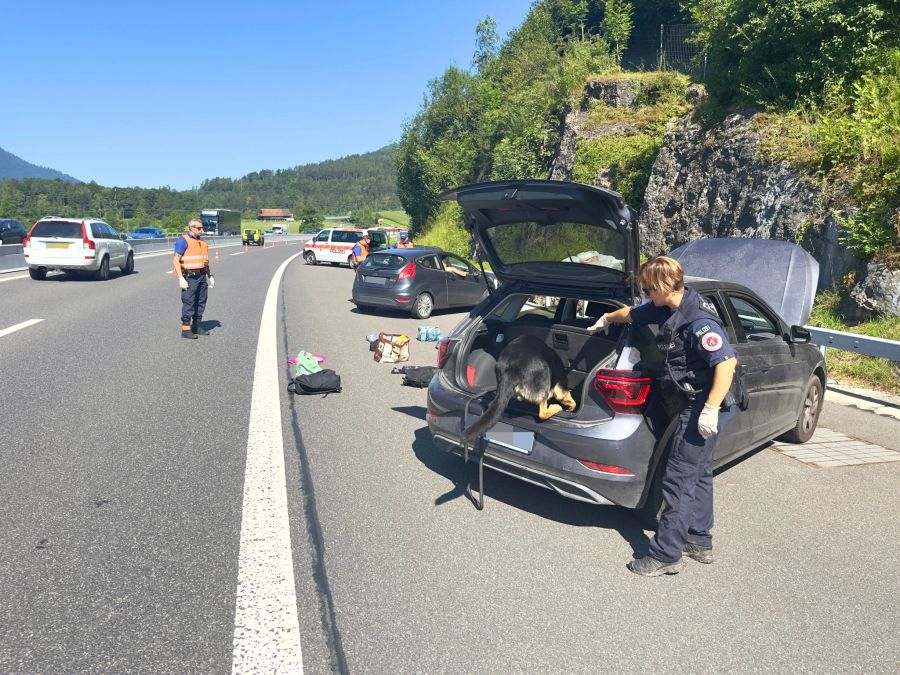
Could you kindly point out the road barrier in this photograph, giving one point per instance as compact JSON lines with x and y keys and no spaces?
{"x":854,"y":342}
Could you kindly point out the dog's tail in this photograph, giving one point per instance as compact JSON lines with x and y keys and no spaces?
{"x":491,"y":416}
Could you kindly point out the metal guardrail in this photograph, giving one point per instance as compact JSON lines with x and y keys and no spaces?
{"x":854,"y":342}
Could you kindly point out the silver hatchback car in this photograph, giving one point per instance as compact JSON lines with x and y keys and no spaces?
{"x":567,"y":253}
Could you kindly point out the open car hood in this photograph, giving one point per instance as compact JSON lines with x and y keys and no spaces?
{"x":781,"y":273}
{"x":556,"y":232}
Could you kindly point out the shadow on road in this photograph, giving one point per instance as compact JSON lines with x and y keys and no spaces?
{"x":521,"y":495}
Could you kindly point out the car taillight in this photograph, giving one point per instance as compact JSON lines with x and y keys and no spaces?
{"x":408,"y":272}
{"x":606,"y":468}
{"x":625,"y":391}
{"x":26,"y":241}
{"x":443,"y":351}
{"x":86,"y":243}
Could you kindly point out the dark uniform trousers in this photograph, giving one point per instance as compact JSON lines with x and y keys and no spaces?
{"x":687,"y":486}
{"x":193,"y":298}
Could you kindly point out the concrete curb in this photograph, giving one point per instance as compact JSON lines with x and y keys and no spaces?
{"x":878,"y":402}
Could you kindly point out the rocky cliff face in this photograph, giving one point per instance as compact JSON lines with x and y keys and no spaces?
{"x":715,"y":183}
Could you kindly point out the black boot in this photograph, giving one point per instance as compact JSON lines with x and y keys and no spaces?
{"x":197,"y":326}
{"x":186,"y":332}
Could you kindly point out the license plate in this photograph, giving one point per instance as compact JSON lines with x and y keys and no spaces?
{"x":378,"y":281}
{"x":507,"y":436}
{"x":57,"y":244}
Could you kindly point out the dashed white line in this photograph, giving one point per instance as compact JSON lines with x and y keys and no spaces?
{"x":266,"y":627}
{"x":19,"y":326}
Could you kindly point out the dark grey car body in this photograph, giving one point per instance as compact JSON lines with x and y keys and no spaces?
{"x":784,"y":373}
{"x":12,"y":231}
{"x":378,"y":281}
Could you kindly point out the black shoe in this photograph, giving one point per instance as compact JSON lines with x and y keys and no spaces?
{"x":651,"y":567}
{"x":186,"y":333}
{"x":699,"y":553}
{"x":197,"y":329}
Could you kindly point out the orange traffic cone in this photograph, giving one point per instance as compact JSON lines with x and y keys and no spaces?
{"x":246,"y":248}
{"x":217,"y":255}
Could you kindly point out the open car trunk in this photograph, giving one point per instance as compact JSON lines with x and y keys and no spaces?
{"x":561,"y":323}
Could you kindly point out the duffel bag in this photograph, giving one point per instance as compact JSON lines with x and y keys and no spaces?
{"x":326,"y":381}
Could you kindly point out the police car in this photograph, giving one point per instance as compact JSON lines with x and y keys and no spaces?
{"x":579,"y":245}
{"x":335,"y":245}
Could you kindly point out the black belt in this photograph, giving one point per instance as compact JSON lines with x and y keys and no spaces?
{"x":196,"y":274}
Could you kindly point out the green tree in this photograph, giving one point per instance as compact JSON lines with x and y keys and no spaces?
{"x":617,"y":25}
{"x":487,"y":42}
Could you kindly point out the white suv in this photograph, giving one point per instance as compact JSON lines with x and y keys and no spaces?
{"x":73,"y":245}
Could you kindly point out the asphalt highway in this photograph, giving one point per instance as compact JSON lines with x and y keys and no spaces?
{"x":124,"y":503}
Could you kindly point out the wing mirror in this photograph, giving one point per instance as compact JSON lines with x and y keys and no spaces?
{"x":800,"y":334}
{"x":123,"y":237}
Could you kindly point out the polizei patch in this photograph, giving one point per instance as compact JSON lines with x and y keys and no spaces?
{"x":711,"y":342}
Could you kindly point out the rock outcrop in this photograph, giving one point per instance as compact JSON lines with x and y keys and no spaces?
{"x":879,"y":291}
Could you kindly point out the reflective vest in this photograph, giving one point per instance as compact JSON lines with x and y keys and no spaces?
{"x":196,"y":257}
{"x":681,"y":367}
{"x":363,"y":251}
{"x":408,"y":244}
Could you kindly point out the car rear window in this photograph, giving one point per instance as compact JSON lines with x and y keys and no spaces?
{"x":559,"y":241}
{"x":57,"y":228}
{"x":384,"y":262}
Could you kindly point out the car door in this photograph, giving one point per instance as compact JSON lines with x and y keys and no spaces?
{"x":738,"y":434}
{"x":461,"y":290}
{"x":432,"y":278}
{"x":771,"y":374}
{"x":118,"y":248}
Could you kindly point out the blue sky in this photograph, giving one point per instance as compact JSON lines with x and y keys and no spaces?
{"x":171,"y":93}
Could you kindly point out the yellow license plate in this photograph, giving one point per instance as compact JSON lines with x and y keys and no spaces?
{"x":56,"y":244}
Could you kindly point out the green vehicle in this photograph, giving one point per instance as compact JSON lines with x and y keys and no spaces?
{"x":253,"y":235}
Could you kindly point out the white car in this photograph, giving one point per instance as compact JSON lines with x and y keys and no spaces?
{"x":76,"y":245}
{"x":335,"y":244}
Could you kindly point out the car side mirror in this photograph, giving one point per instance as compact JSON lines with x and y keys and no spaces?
{"x":123,"y":237}
{"x":800,"y":334}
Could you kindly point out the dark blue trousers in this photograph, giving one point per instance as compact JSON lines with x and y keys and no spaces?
{"x":193,"y":299}
{"x":687,"y":487}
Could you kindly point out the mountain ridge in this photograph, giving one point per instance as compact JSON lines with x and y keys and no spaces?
{"x":13,"y":166}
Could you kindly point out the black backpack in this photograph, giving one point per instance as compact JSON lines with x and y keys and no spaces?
{"x":416,"y":376}
{"x":326,"y":381}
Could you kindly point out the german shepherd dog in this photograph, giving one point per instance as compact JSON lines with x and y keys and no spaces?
{"x":532,"y":371}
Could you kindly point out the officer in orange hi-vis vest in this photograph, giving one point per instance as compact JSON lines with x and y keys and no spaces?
{"x":191,"y":263}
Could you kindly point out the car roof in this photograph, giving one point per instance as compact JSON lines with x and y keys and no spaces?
{"x":408,"y":252}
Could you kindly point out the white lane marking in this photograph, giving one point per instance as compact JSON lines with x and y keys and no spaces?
{"x":239,"y":253}
{"x":19,"y":326}
{"x":266,"y":627}
{"x":21,"y":276}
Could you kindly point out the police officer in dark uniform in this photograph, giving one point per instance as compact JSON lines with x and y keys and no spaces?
{"x":700,"y":363}
{"x":191,"y":262}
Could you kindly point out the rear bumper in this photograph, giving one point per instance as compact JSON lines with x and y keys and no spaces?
{"x":624,"y":441}
{"x":48,"y":263}
{"x":382,"y":298}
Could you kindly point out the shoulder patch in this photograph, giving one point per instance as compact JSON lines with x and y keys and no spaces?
{"x":711,"y":342}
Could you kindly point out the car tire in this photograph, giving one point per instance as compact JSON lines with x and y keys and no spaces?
{"x":350,"y":262}
{"x":128,"y":267}
{"x":809,"y":413}
{"x":422,"y":307}
{"x":310,"y":258}
{"x":39,"y":273}
{"x":102,"y":274}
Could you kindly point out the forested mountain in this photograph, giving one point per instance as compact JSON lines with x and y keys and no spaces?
{"x":16,"y":167}
{"x":357,"y":182}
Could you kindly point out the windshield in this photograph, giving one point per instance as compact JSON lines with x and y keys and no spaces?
{"x":564,"y":242}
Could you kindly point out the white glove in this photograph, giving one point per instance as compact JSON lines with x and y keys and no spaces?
{"x":211,"y":281}
{"x":602,"y":324}
{"x":708,"y":422}
{"x":183,"y":283}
